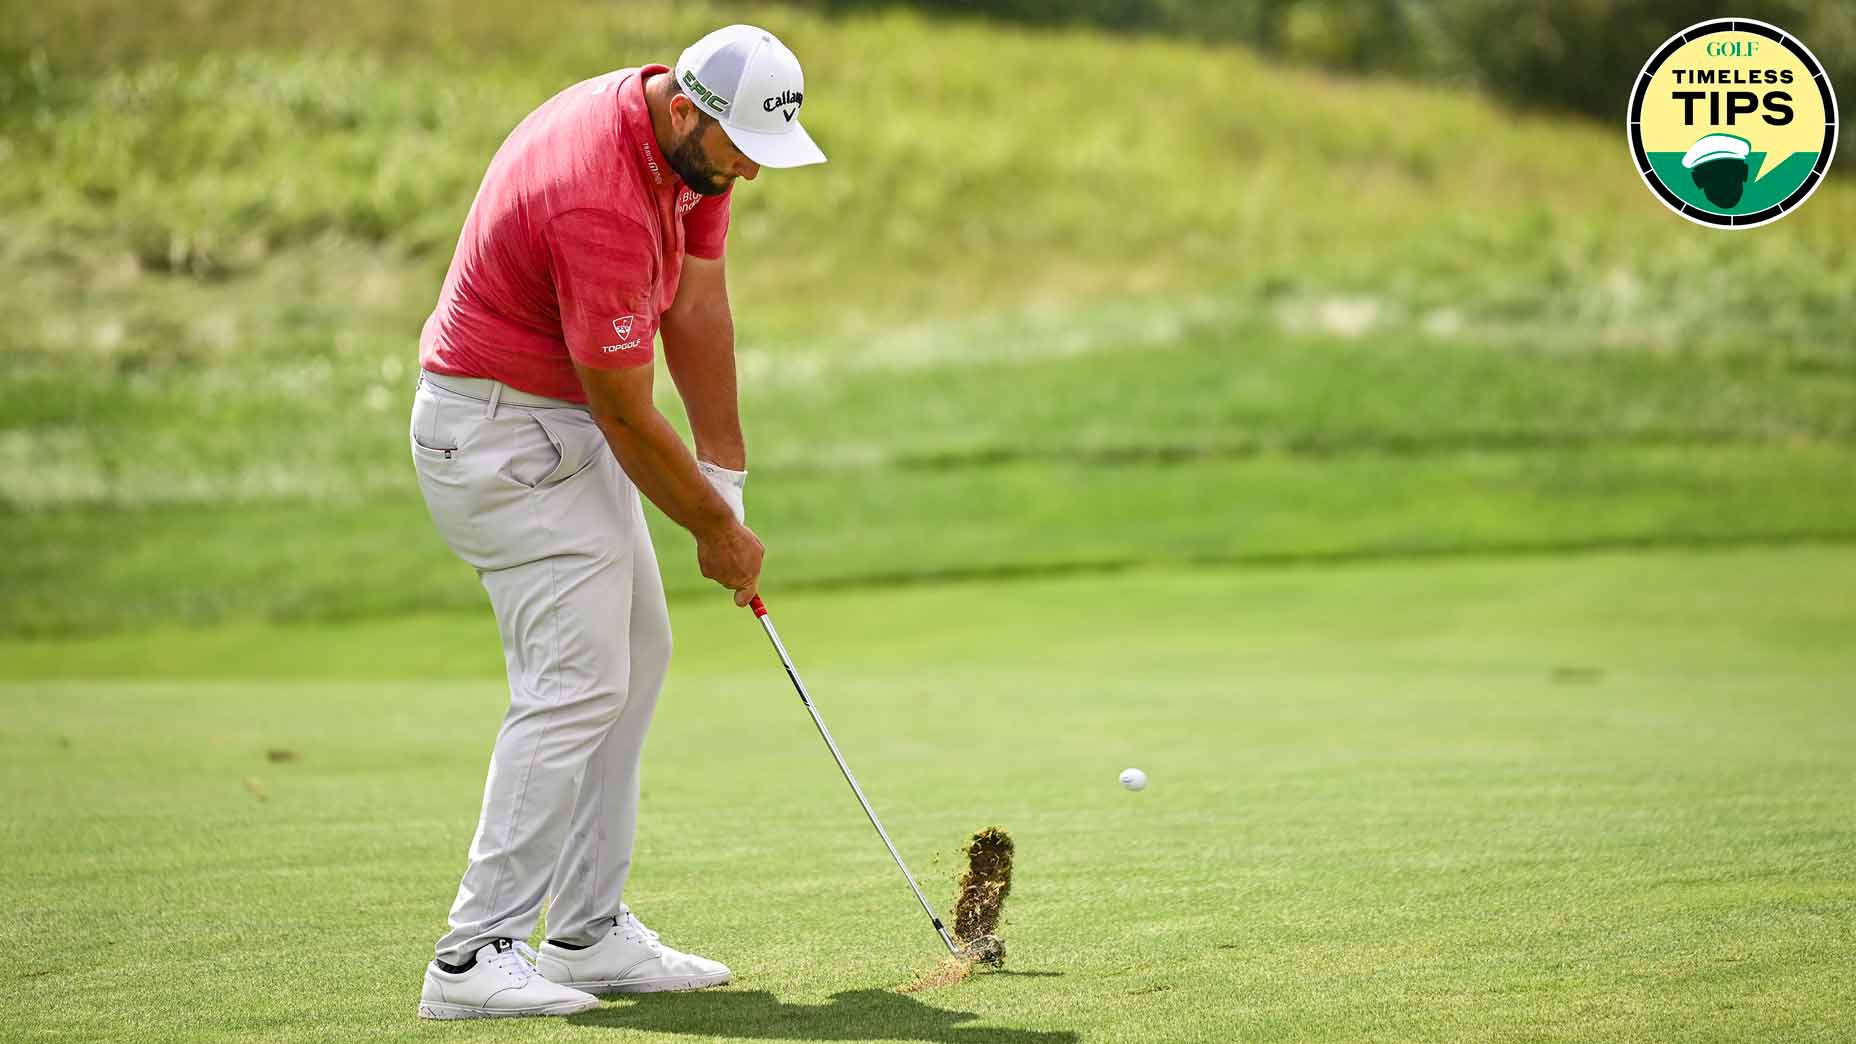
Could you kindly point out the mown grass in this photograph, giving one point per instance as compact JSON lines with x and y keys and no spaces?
{"x":1005,"y":300}
{"x":1598,"y":797}
{"x":901,"y":465}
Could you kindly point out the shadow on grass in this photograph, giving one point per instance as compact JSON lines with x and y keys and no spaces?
{"x":852,"y":1015}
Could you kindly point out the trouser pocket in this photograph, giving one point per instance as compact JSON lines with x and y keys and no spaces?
{"x":513,"y":486}
{"x":432,"y":438}
{"x":553,"y":448}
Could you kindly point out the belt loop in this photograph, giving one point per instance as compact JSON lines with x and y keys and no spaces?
{"x":496,"y":398}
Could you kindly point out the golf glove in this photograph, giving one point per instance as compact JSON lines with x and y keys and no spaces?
{"x":730,"y":485}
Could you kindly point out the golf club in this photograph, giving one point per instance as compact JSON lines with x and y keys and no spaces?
{"x":766,"y":622}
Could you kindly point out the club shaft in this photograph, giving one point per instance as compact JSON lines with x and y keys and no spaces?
{"x":766,"y":622}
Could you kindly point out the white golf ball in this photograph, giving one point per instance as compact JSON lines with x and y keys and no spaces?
{"x":1134,"y":779}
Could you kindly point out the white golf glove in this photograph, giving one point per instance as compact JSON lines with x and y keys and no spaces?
{"x":730,"y":485}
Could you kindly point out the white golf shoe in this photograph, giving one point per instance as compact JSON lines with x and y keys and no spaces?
{"x":629,"y":959}
{"x":502,"y":983}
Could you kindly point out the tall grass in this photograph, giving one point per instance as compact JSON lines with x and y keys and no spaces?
{"x":223,"y":224}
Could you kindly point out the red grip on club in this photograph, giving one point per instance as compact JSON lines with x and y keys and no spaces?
{"x":759,"y":607}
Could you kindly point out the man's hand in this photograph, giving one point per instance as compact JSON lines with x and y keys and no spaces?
{"x":731,"y":556}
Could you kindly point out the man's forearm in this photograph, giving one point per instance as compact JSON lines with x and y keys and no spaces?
{"x":660,"y":465}
{"x":700,"y":353}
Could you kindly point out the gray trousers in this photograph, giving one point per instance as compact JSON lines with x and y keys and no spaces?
{"x":533,"y":499}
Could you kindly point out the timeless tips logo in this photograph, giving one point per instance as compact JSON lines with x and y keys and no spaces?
{"x":1733,"y":123}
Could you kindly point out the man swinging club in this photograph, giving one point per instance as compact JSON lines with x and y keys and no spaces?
{"x":601,"y":221}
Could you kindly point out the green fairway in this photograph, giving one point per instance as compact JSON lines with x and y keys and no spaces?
{"x":1591,"y":797}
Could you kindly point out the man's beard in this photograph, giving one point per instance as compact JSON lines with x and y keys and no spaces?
{"x":690,"y":164}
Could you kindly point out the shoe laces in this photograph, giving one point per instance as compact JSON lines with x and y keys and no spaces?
{"x":518,"y":962}
{"x":633,"y":928}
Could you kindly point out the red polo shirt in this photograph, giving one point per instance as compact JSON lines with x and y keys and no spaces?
{"x":573,"y":247}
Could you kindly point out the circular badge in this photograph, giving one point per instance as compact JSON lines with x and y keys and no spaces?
{"x":1733,"y":123}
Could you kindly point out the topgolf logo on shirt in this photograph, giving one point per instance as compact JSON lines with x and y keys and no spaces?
{"x":1732,"y":123}
{"x":623,"y":327}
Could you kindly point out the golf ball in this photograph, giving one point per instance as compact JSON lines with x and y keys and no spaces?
{"x":1134,"y":779}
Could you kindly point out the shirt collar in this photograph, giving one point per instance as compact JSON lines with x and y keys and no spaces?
{"x":635,"y":116}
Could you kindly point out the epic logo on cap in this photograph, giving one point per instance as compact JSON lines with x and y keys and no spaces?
{"x":709,"y":99}
{"x":748,"y":62}
{"x":1732,"y":123}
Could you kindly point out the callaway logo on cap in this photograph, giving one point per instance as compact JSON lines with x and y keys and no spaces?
{"x":748,"y":80}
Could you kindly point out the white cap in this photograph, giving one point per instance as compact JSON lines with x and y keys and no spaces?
{"x":747,"y":79}
{"x":1716,"y":146}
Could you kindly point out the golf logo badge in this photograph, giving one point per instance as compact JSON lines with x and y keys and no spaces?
{"x":623,"y":327}
{"x":1733,"y":123}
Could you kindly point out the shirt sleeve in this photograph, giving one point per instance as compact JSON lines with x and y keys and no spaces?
{"x":705,"y":228}
{"x":605,"y":278}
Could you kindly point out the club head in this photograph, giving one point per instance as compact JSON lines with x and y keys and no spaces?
{"x":987,"y":949}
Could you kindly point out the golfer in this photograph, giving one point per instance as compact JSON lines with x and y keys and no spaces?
{"x":600,"y":224}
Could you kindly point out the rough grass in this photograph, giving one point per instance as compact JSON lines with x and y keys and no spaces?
{"x":1595,"y":798}
{"x":1205,"y":443}
{"x":969,"y":343}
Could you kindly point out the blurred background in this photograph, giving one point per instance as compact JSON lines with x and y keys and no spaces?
{"x":1084,"y":286}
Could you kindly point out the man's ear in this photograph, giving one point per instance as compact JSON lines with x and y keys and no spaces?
{"x":683,"y":113}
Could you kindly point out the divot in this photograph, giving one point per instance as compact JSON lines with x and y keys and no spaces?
{"x":977,"y":910}
{"x":983,"y":889}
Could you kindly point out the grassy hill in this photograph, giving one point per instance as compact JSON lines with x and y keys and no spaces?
{"x":1059,"y":301}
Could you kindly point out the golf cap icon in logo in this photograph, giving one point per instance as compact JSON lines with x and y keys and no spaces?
{"x":1732,"y":123}
{"x":1717,"y":164}
{"x":747,"y":79}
